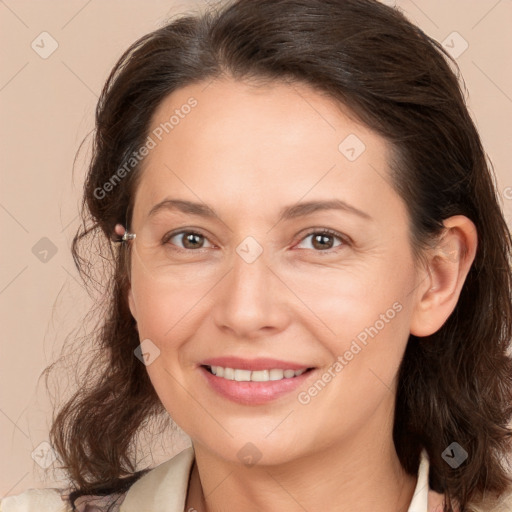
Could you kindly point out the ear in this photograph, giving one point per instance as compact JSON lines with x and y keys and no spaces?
{"x":448,"y":264}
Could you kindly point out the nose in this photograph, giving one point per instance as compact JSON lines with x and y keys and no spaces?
{"x":251,"y":300}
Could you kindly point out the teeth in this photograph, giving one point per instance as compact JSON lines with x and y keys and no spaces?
{"x":242,"y":375}
{"x":254,"y":375}
{"x":259,"y":375}
{"x":276,"y":374}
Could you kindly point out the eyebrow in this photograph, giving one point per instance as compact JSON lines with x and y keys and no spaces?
{"x":288,"y":212}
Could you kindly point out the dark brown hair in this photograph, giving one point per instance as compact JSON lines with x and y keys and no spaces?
{"x":455,"y":385}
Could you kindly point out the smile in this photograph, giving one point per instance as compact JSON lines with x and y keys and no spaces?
{"x":254,"y":387}
{"x":253,"y":375}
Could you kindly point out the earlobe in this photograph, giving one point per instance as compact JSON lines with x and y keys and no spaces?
{"x":448,"y":265}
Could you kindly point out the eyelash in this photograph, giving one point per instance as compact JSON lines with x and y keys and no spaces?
{"x":318,"y":231}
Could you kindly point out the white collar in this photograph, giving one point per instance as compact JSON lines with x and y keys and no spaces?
{"x":164,"y":488}
{"x":420,"y":497}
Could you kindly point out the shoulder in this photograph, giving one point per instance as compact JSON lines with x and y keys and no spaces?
{"x":435,"y":501}
{"x":162,"y":488}
{"x":502,"y":504}
{"x":35,"y":500}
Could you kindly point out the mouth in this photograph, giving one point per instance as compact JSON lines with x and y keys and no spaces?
{"x":246,"y":375}
{"x":246,"y":386}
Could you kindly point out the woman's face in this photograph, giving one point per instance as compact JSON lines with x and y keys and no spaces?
{"x":259,"y":280}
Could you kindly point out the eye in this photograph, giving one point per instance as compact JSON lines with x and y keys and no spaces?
{"x":190,"y":239}
{"x":323,"y":240}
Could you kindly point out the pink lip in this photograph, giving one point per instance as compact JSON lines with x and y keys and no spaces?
{"x":248,"y":392}
{"x":262,"y":363}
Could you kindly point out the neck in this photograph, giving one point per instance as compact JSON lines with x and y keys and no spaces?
{"x":352,"y":476}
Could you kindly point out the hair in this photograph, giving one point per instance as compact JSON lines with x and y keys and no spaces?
{"x":454,"y":385}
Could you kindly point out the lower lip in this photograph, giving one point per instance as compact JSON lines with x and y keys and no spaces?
{"x":253,"y":393}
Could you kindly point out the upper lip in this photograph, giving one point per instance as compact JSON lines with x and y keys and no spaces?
{"x":261,"y":363}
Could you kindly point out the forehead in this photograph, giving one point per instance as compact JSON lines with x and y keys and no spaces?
{"x":252,"y":147}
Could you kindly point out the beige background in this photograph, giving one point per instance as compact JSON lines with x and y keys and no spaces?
{"x":47,"y":108}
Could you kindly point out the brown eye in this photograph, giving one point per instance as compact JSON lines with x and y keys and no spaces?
{"x":324,"y":240}
{"x":189,"y":240}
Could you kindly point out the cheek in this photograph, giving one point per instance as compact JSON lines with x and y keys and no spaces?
{"x":340,"y":302}
{"x":163,"y":313}
{"x":367,"y":334}
{"x":163,"y":309}
{"x":362,"y":318}
{"x":366,"y":354}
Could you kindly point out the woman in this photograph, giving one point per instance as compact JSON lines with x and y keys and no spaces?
{"x":310,"y":273}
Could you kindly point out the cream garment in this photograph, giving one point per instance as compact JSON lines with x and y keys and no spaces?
{"x":164,"y":489}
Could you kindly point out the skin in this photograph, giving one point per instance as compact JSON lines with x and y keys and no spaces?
{"x":247,"y":151}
